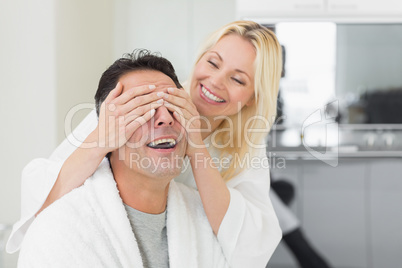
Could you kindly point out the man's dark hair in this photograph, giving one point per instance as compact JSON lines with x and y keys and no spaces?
{"x":141,"y":59}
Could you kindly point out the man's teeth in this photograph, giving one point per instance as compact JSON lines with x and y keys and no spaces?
{"x":155,"y":143}
{"x":211,"y":96}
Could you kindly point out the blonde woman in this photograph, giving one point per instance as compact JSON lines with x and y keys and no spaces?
{"x":233,"y":88}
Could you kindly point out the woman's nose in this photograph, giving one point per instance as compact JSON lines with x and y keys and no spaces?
{"x":218,"y":80}
{"x":163,"y":117}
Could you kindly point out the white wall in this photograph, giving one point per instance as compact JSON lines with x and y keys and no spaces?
{"x":84,"y":46}
{"x":175,"y":28}
{"x":52,"y":55}
{"x":27,"y":102}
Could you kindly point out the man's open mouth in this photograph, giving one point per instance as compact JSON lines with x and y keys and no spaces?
{"x":162,"y":144}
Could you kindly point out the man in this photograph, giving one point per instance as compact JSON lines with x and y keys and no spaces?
{"x":129,"y":213}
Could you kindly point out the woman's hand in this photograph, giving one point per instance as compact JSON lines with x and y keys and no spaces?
{"x":122,"y":113}
{"x":179,"y":102}
{"x":214,"y":193}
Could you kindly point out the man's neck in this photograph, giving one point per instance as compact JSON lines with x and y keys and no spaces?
{"x":148,"y":195}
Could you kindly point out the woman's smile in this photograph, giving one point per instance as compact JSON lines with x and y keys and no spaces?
{"x":209,"y":96}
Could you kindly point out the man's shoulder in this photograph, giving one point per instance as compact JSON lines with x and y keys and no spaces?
{"x":63,"y":212}
{"x":77,"y":216}
{"x":75,"y":209}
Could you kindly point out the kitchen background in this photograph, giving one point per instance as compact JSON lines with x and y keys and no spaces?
{"x":343,"y":159}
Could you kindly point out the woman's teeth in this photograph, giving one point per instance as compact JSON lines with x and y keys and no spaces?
{"x":210,"y":95}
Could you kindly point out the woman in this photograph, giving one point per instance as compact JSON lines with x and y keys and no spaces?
{"x":234,"y":87}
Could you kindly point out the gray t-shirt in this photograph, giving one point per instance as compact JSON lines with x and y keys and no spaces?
{"x":150,"y":232}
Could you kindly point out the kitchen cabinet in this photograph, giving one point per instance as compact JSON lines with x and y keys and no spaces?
{"x":364,"y":7}
{"x":351,"y":213}
{"x":334,"y":208}
{"x":385,"y":216}
{"x":331,"y":208}
{"x":276,"y":8}
{"x":311,"y":9}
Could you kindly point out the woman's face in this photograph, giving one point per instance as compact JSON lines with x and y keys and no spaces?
{"x":223,"y":79}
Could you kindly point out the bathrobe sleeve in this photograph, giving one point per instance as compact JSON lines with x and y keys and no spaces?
{"x":39,"y":176}
{"x":250,"y":232}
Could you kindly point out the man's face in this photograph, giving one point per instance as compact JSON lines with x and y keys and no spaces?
{"x":157,"y":148}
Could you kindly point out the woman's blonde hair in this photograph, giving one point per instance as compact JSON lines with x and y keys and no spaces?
{"x":268,"y":68}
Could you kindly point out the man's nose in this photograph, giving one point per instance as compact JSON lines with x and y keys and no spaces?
{"x":163,"y":117}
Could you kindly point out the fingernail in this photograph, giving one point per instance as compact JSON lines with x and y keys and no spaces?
{"x":160,"y":94}
{"x":152,"y":86}
{"x":152,"y":112}
{"x":160,"y":101}
{"x":170,"y":90}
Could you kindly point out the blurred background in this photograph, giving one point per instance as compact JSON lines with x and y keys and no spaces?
{"x":339,"y":142}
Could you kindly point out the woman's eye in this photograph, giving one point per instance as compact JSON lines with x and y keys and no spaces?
{"x":238,"y":81}
{"x":213,"y":64}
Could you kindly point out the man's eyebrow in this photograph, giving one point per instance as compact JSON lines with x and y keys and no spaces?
{"x":237,"y":70}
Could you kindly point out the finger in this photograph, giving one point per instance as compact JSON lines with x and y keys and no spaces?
{"x":178,"y":92}
{"x":141,"y":100}
{"x":183,"y":103}
{"x":114,"y":93}
{"x":132,"y":93}
{"x":139,"y":121}
{"x":182,"y":121}
{"x":140,"y":111}
{"x":174,"y":108}
{"x":181,"y":115}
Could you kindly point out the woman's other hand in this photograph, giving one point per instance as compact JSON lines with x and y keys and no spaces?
{"x":183,"y":109}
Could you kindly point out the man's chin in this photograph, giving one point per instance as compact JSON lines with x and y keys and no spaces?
{"x":167,"y":173}
{"x":169,"y":165}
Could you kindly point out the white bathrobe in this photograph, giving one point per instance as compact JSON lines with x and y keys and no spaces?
{"x":89,"y":228}
{"x":249,"y":232}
